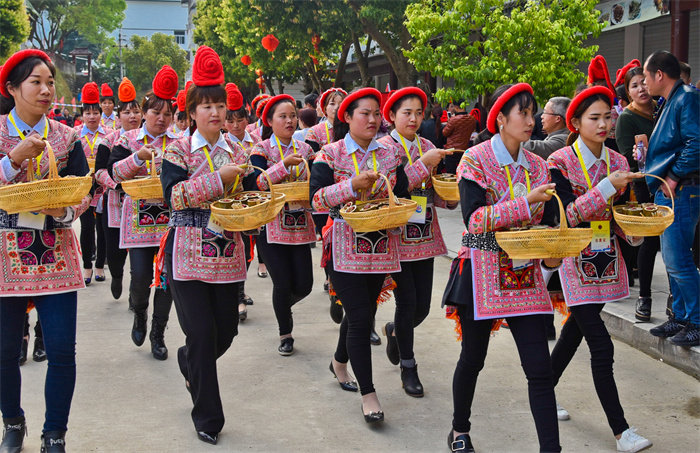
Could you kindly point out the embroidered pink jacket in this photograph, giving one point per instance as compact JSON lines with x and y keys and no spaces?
{"x":319,"y":134}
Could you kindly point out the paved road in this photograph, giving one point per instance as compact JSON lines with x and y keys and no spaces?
{"x":126,"y":401}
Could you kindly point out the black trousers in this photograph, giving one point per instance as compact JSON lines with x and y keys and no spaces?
{"x":585,"y":322}
{"x":291,"y":270}
{"x":141,"y":260}
{"x":208,"y":317}
{"x":88,"y":224}
{"x":116,"y":257}
{"x":531,"y":340}
{"x":414,"y":288}
{"x":451,"y":162}
{"x":358,"y":293}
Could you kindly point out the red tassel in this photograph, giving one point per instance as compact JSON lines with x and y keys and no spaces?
{"x":252,"y":248}
{"x":451,"y":313}
{"x":159,"y":260}
{"x":559,"y":305}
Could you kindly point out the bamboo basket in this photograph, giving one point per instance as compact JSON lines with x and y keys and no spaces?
{"x":51,"y":193}
{"x":633,"y":225}
{"x":91,"y":164}
{"x":396,"y":215}
{"x":296,"y":190}
{"x":147,"y":188}
{"x":562,"y":242}
{"x":253,"y":217}
{"x":448,"y":191}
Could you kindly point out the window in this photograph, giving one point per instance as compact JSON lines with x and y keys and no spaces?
{"x":179,"y":36}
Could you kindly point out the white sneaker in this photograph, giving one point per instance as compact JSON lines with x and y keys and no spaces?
{"x":562,"y":414}
{"x":631,"y":442}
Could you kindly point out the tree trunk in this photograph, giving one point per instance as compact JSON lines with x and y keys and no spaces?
{"x":268,"y":83}
{"x":362,"y":63}
{"x":280,"y":87}
{"x":340,"y":72}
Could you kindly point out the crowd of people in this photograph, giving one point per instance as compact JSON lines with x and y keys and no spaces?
{"x":603,"y":145}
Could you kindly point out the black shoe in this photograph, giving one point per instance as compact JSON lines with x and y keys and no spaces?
{"x":286,"y":346}
{"x":462,"y":443}
{"x":392,"y":346}
{"x":349,"y":386}
{"x":326,"y":285}
{"x":138,"y":330}
{"x":336,"y":310}
{"x":247,"y":300}
{"x":374,"y":338}
{"x":643,"y":310}
{"x":689,"y":336}
{"x":242,"y":315}
{"x":116,"y":287}
{"x":410,"y":382}
{"x":53,"y":442}
{"x":157,"y":337}
{"x":39,"y":354}
{"x":100,"y":278}
{"x":208,"y":437}
{"x":372,"y":417}
{"x":15,"y":429}
{"x":23,"y":354}
{"x":668,"y":329}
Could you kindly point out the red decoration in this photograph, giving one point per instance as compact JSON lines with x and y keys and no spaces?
{"x":127,"y":92}
{"x":90,"y":94}
{"x":246,"y":60}
{"x":588,"y":92}
{"x":598,"y":70}
{"x":316,"y":40}
{"x":259,"y":72}
{"x":234,"y":98}
{"x":181,"y":100}
{"x":622,"y":72}
{"x":13,"y":61}
{"x":270,"y":43}
{"x":398,"y":94}
{"x":106,"y":91}
{"x":501,"y":101}
{"x":260,"y":81}
{"x":165,"y":83}
{"x":207,"y":69}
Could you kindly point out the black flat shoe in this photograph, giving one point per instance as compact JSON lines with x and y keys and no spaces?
{"x":39,"y":354}
{"x":88,"y":280}
{"x":410,"y":382}
{"x":15,"y":430}
{"x":53,"y":442}
{"x":374,"y":338}
{"x":392,"y":346}
{"x":243,"y":315}
{"x":461,"y":444}
{"x":100,"y":278}
{"x":348,"y":386}
{"x":116,"y":287}
{"x":209,"y":438}
{"x":247,"y":300}
{"x":336,"y":310}
{"x":286,"y":346}
{"x":23,"y":354}
{"x":372,"y":417}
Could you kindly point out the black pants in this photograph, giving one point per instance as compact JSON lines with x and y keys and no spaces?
{"x":141,"y":260}
{"x":88,"y":225}
{"x":116,"y":257}
{"x":531,"y":340}
{"x":646,"y":254}
{"x":37,"y":327}
{"x":414,"y":288}
{"x":451,"y":162}
{"x":585,"y":322}
{"x":358,"y":293}
{"x":208,"y":317}
{"x":291,"y":270}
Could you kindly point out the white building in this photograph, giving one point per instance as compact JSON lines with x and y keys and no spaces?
{"x":146,"y":17}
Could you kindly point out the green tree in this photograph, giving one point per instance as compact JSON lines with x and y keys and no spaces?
{"x":144,"y":57}
{"x":53,"y":20}
{"x":480,"y":45}
{"x":14,"y":24}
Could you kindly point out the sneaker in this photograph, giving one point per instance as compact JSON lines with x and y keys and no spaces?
{"x":631,"y":442}
{"x":667,"y":329}
{"x":562,"y":414}
{"x":689,"y":336}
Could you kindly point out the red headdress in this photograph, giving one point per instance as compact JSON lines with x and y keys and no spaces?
{"x":258,"y":98}
{"x":13,"y":61}
{"x":398,"y":94}
{"x":207,"y":69}
{"x":261,"y":105}
{"x":582,"y":96}
{"x":622,"y":72}
{"x":328,"y":92}
{"x":598,"y":70}
{"x":269,"y":103}
{"x":355,"y":95}
{"x":234,"y":97}
{"x":181,"y":100}
{"x":106,"y":91}
{"x":90,"y":94}
{"x":165,"y":83}
{"x":501,"y":101}
{"x":127,"y":92}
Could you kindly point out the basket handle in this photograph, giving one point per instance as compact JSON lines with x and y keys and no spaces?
{"x":269,"y":181}
{"x":673,"y":203}
{"x":392,"y":197}
{"x":53,"y":169}
{"x":154,"y":172}
{"x":306,"y":162}
{"x":562,"y":213}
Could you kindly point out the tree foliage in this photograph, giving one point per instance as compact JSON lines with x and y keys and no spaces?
{"x":144,"y":57}
{"x":53,"y":20}
{"x":14,"y":26}
{"x":481,"y":46}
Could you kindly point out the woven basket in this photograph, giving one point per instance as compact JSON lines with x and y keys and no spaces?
{"x":559,"y":242}
{"x":396,"y":215}
{"x":51,"y":193}
{"x":633,"y":225}
{"x":448,"y":191}
{"x":91,"y":164}
{"x":295,"y":190}
{"x":253,"y":217}
{"x":148,"y":188}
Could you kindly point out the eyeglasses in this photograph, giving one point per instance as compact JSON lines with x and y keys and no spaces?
{"x":552,"y":114}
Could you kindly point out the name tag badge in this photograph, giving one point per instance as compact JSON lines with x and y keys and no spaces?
{"x":31,"y":220}
{"x":520,"y":264}
{"x":294,"y":207}
{"x":601,"y":236}
{"x":214,"y":227}
{"x":419,"y":215}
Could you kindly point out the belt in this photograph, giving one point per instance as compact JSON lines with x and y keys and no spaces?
{"x":198,"y":218}
{"x":484,"y":241}
{"x":9,"y":222}
{"x":692,"y":181}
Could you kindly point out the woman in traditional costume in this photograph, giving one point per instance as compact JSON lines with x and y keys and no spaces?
{"x":108,"y":119}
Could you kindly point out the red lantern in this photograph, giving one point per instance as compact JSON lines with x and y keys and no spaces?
{"x":270,"y":43}
{"x":258,"y":72}
{"x":246,"y":60}
{"x":316,"y":40}
{"x":260,"y":81}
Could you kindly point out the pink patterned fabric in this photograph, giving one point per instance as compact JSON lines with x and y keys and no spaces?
{"x":318,"y":134}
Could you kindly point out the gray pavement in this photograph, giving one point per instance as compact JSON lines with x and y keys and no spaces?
{"x":125,"y":401}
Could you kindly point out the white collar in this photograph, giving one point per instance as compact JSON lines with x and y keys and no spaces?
{"x":396,"y":136}
{"x":588,"y":158}
{"x":121,"y":131}
{"x":22,"y":126}
{"x":110,"y":117}
{"x":351,"y":145}
{"x":503,"y":156}
{"x":143,"y":132}
{"x":329,"y":123}
{"x":86,"y":131}
{"x":246,"y":138}
{"x":199,"y":142}
{"x":275,"y":141}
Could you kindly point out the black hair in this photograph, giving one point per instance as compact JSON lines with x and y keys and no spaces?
{"x":340,"y":128}
{"x":127,"y":105}
{"x":311,"y":99}
{"x":621,"y":93}
{"x":181,"y":115}
{"x":151,"y":101}
{"x":631,"y":74}
{"x":240,"y":113}
{"x":266,"y":130}
{"x":107,"y":98}
{"x":437,"y":114}
{"x":89,"y":107}
{"x":19,"y":74}
{"x":308,"y":117}
{"x":57,"y":111}
{"x":397,"y":105}
{"x":523,"y":100}
{"x":666,"y":62}
{"x":199,"y":95}
{"x":581,"y":109}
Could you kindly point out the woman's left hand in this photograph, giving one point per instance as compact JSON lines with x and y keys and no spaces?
{"x":55,"y":212}
{"x":552,"y":262}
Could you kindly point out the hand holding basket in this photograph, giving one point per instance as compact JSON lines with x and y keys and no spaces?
{"x":296,"y":190}
{"x":147,"y":188}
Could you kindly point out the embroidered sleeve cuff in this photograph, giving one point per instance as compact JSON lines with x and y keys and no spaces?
{"x":67,"y":217}
{"x":8,"y":171}
{"x":606,"y":188}
{"x":417,"y":173}
{"x":138,"y":161}
{"x":127,"y":168}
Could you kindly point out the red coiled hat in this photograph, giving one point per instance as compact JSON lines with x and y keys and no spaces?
{"x":261,"y":105}
{"x":13,"y":61}
{"x":234,"y":97}
{"x":181,"y":100}
{"x":127,"y":92}
{"x":501,"y":101}
{"x":398,"y":94}
{"x":582,"y":96}
{"x":598,"y":70}
{"x":106,"y":91}
{"x":269,"y":103}
{"x":207,"y":69}
{"x":165,"y":83}
{"x":257,"y":99}
{"x":328,"y":92}
{"x":355,"y":95}
{"x":90,"y":94}
{"x":622,"y":72}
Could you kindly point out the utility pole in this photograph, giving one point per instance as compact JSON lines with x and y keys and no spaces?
{"x":121,"y":64}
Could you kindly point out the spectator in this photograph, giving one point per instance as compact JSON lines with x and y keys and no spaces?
{"x":77,"y":120}
{"x":674,"y":154}
{"x":58,"y":116}
{"x":622,"y":100}
{"x":307,"y":119}
{"x":310,"y":101}
{"x":458,"y":132}
{"x":537,"y":132}
{"x":554,"y":124}
{"x":685,"y":73}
